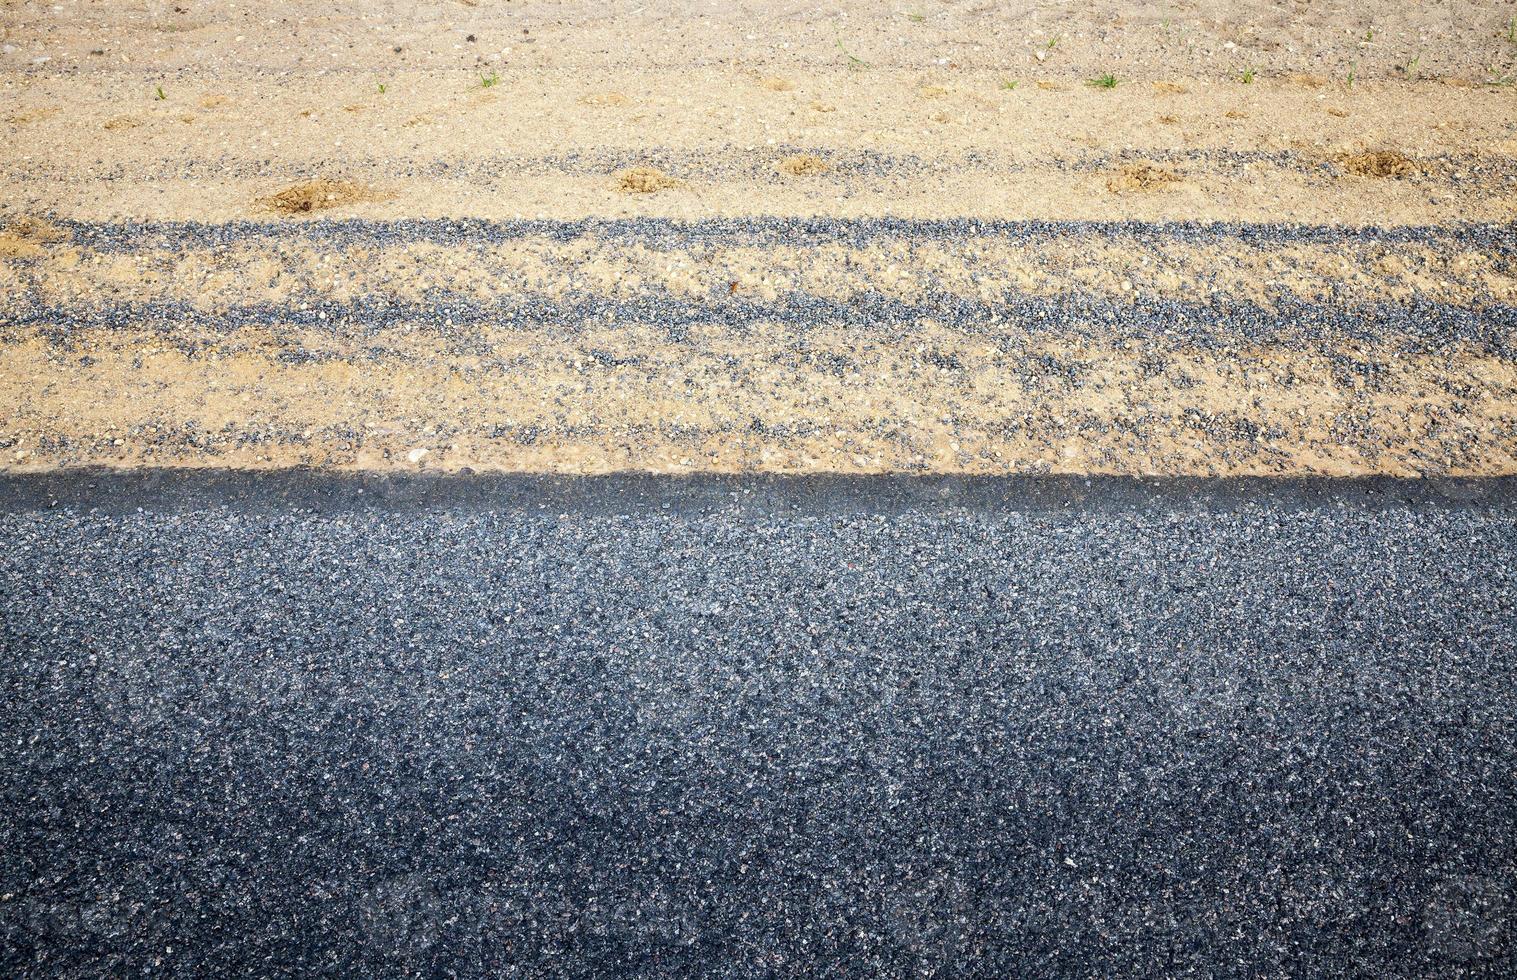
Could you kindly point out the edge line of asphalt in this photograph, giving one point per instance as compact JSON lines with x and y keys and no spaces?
{"x":548,"y":495}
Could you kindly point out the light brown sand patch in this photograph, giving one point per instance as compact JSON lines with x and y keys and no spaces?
{"x":320,"y":195}
{"x":1141,"y":177}
{"x":644,"y":180}
{"x":37,"y":229}
{"x":804,"y":165}
{"x":31,"y":116}
{"x":605,"y":100}
{"x":1378,"y":163}
{"x":13,"y":246}
{"x":776,"y":84}
{"x":24,"y":237}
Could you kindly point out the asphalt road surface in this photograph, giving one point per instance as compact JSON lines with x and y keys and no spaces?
{"x":275,"y":726}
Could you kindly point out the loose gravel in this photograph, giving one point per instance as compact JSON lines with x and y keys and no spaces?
{"x":663,"y":233}
{"x":1411,"y":327}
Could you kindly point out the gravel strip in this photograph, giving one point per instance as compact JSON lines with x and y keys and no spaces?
{"x":1411,"y":326}
{"x":760,"y":232}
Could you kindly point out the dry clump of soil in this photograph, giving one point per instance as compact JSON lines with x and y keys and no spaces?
{"x":1141,"y":177}
{"x":36,"y":229}
{"x":1378,"y":163}
{"x":24,"y":237}
{"x":31,"y":116}
{"x":644,"y":180}
{"x":804,"y":165}
{"x":605,"y":99}
{"x":318,"y":195}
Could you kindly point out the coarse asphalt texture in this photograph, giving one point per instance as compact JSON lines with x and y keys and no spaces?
{"x":263,"y":725}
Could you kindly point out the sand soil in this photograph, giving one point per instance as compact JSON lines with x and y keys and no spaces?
{"x":1211,"y":238}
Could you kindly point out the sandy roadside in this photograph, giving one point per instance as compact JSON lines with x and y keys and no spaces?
{"x":534,"y":341}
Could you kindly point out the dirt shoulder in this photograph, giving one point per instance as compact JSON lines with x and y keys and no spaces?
{"x":406,"y":243}
{"x":912,"y":144}
{"x":1043,"y":39}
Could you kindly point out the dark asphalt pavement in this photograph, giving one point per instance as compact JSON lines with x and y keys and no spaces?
{"x":759,"y":731}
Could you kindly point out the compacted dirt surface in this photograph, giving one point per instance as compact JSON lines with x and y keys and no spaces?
{"x":1239,"y":239}
{"x":512,"y":488}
